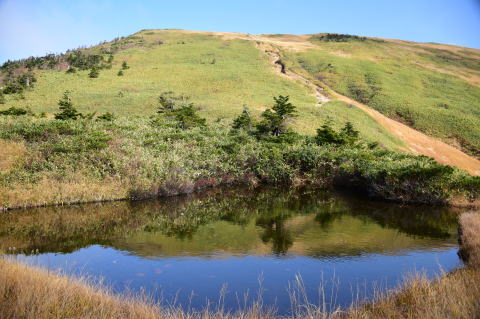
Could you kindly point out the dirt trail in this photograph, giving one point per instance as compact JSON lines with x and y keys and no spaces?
{"x":418,"y":143}
{"x":274,"y":56}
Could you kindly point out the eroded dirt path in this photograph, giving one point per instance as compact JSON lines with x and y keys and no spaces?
{"x":417,"y":142}
{"x":274,"y":56}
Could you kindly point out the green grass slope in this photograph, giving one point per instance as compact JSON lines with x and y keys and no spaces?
{"x":433,"y":88}
{"x":220,"y":76}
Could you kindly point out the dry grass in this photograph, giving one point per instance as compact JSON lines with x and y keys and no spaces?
{"x":454,"y":295}
{"x":51,"y":295}
{"x":11,"y":155}
{"x":75,"y":188}
{"x":470,"y":238}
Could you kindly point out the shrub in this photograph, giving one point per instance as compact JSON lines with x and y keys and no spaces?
{"x":27,"y":79}
{"x":106,"y":117}
{"x":120,"y":73}
{"x":68,"y":112}
{"x":83,"y":61}
{"x":16,"y":111}
{"x":336,"y":37}
{"x":13,"y":87}
{"x":180,"y":109}
{"x":2,"y":97}
{"x":327,"y":135}
{"x":244,"y":121}
{"x":94,"y":73}
{"x":168,"y":101}
{"x":187,"y":117}
{"x":275,"y":120}
{"x":125,"y":65}
{"x":71,"y":69}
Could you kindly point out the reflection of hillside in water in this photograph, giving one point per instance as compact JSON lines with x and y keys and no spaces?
{"x":235,"y":221}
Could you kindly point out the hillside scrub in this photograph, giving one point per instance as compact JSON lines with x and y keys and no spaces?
{"x":85,"y":160}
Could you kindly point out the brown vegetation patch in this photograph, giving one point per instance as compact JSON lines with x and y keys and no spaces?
{"x":11,"y":155}
{"x":30,"y":293}
{"x":470,"y":78}
{"x":33,"y":293}
{"x":454,"y":295}
{"x":50,"y":190}
{"x":470,"y":239}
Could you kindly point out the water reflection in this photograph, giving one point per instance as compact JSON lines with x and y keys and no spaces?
{"x":236,"y":221}
{"x":200,"y":242}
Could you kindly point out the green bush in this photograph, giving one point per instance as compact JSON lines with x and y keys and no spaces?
{"x":244,"y":121}
{"x":14,"y":111}
{"x":179,"y":108}
{"x":346,"y":136}
{"x":94,"y":73}
{"x":275,"y":120}
{"x":106,"y":117}
{"x":71,"y":69}
{"x":68,"y":112}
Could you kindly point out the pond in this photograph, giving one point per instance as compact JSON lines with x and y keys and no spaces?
{"x":190,"y":250}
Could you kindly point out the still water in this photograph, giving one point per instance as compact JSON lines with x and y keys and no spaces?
{"x":186,"y":250}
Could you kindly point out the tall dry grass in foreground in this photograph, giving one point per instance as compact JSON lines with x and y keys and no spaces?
{"x":30,"y":293}
{"x":455,"y":295}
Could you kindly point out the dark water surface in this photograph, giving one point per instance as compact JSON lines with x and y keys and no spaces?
{"x":185,"y":249}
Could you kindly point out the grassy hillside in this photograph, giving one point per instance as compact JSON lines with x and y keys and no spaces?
{"x":138,"y":154}
{"x":433,"y":88}
{"x":220,"y":75}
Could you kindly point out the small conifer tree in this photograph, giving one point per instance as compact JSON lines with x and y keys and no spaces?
{"x":68,"y":112}
{"x":120,"y":73}
{"x":180,"y":109}
{"x":243,"y":121}
{"x":275,"y":119}
{"x":125,"y":65}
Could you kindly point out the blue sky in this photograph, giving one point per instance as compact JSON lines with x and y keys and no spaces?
{"x":36,"y":27}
